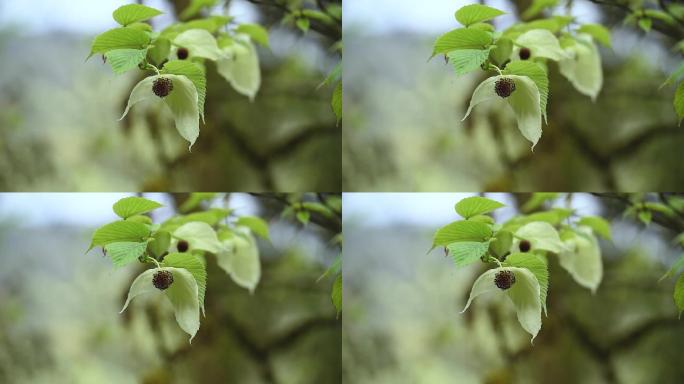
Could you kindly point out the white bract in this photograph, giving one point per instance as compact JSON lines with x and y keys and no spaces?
{"x":524,"y":101}
{"x":582,"y":259}
{"x":181,"y":101}
{"x":583,"y":67}
{"x":182,"y":293}
{"x":541,"y":43}
{"x":199,"y":235}
{"x":541,"y":235}
{"x":199,"y":43}
{"x":239,"y":257}
{"x":239,"y":65}
{"x":524,"y":294}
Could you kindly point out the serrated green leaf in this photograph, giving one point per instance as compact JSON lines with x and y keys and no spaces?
{"x":482,"y":219}
{"x":476,"y":205}
{"x":123,"y":253}
{"x":123,"y":60}
{"x":525,"y":294}
{"x":134,"y":205}
{"x":336,"y":294}
{"x":119,"y":38}
{"x":462,"y":38}
{"x":195,"y":73}
{"x":195,"y":266}
{"x":598,"y":224}
{"x":132,"y":13}
{"x":524,"y":101}
{"x":538,"y":265}
{"x":535,"y":72}
{"x":119,"y":231}
{"x":140,"y":219}
{"x":199,"y":235}
{"x":182,"y":293}
{"x":598,"y":32}
{"x":256,"y":224}
{"x":467,"y":60}
{"x":182,"y":101}
{"x":475,"y":13}
{"x":462,"y":231}
{"x":256,"y":32}
{"x":467,"y":252}
{"x":240,"y":67}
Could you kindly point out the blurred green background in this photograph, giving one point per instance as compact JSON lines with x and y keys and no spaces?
{"x":59,"y":128}
{"x":403,"y":129}
{"x":60,"y":321}
{"x":402,"y":321}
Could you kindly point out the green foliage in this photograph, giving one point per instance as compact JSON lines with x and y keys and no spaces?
{"x":119,"y":231}
{"x":598,"y":32}
{"x":467,"y":252}
{"x":195,"y":73}
{"x":132,"y":13}
{"x":598,"y":224}
{"x":123,"y":60}
{"x":476,"y":205}
{"x":336,"y":295}
{"x":679,"y":102}
{"x":119,"y":38}
{"x":131,"y":206}
{"x":193,"y":265}
{"x":476,"y":13}
{"x":679,"y":294}
{"x":125,"y":252}
{"x":256,"y":32}
{"x":462,"y":38}
{"x":537,"y":7}
{"x":256,"y":224}
{"x":535,"y":72}
{"x":536,"y":264}
{"x":462,"y":231}
{"x":467,"y":60}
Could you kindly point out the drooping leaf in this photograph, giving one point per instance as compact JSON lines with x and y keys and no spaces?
{"x":501,"y":243}
{"x":535,"y":72}
{"x":182,"y":293}
{"x":541,"y":236}
{"x":119,"y":38}
{"x":182,"y":101}
{"x":239,"y":257}
{"x":160,"y":243}
{"x":462,"y":231}
{"x":193,"y":72}
{"x":475,"y":13}
{"x":256,"y":224}
{"x":501,"y":53}
{"x":524,"y":294}
{"x":598,"y":32}
{"x":525,"y":102}
{"x":462,"y":38}
{"x":541,"y":43}
{"x":132,"y":13}
{"x":195,"y":7}
{"x":199,"y":43}
{"x":256,"y":32}
{"x":195,"y":266}
{"x":159,"y":51}
{"x":583,"y":68}
{"x":538,"y":265}
{"x":537,"y":7}
{"x":123,"y":253}
{"x":467,"y":60}
{"x":476,"y":205}
{"x":674,"y":269}
{"x":134,"y":205}
{"x":598,"y":224}
{"x":240,"y":67}
{"x":582,"y":259}
{"x":123,"y":60}
{"x":119,"y":231}
{"x":199,"y":235}
{"x":467,"y":252}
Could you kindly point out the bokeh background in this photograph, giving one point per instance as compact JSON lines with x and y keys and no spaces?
{"x":402,"y":304}
{"x":403,"y":130}
{"x":60,"y":321}
{"x":59,"y":128}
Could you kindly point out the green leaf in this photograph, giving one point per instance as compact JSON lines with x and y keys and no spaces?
{"x":195,"y":266}
{"x":645,"y":23}
{"x":679,"y":294}
{"x":538,"y":199}
{"x":195,"y":73}
{"x":598,"y":32}
{"x":583,"y":68}
{"x":525,"y":102}
{"x":132,"y":13}
{"x":334,"y":269}
{"x":336,"y":102}
{"x":119,"y":38}
{"x":256,"y":32}
{"x":303,"y":24}
{"x":582,"y":259}
{"x":119,"y":231}
{"x":537,"y":7}
{"x":303,"y":217}
{"x":140,"y":219}
{"x":541,"y":235}
{"x":159,"y":51}
{"x":674,"y":76}
{"x":462,"y":38}
{"x":598,"y":224}
{"x":336,"y":294}
{"x":125,"y":252}
{"x":195,"y":7}
{"x":525,"y":294}
{"x":501,"y":53}
{"x":645,"y":217}
{"x":239,"y":65}
{"x":133,"y":205}
{"x":475,"y":13}
{"x":123,"y":60}
{"x":182,"y":101}
{"x":501,"y":243}
{"x":679,"y":102}
{"x":541,"y":43}
{"x":199,"y":43}
{"x":462,"y":231}
{"x":538,"y":265}
{"x":199,"y":235}
{"x":535,"y":72}
{"x":467,"y":252}
{"x":195,"y":199}
{"x":239,"y":257}
{"x":476,"y":205}
{"x":183,"y":295}
{"x":674,"y":269}
{"x":159,"y":244}
{"x":467,"y":60}
{"x":482,"y":219}
{"x":255,"y":224}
